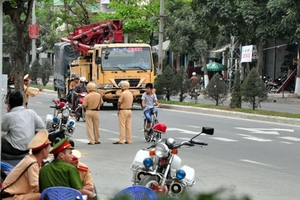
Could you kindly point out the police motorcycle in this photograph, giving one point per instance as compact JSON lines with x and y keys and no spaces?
{"x":159,"y":167}
{"x":61,"y":124}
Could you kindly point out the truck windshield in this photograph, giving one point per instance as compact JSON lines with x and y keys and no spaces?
{"x":126,"y":58}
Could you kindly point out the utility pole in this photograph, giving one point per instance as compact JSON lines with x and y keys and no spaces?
{"x":33,"y":50}
{"x":161,"y":37}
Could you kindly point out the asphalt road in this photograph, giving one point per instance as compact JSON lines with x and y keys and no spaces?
{"x":253,"y":157}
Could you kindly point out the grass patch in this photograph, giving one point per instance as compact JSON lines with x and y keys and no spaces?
{"x":227,"y":108}
{"x":41,"y":86}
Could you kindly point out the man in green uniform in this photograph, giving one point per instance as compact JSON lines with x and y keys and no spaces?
{"x":60,"y":172}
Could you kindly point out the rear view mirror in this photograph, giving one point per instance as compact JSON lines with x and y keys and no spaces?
{"x":98,"y":60}
{"x":208,"y":130}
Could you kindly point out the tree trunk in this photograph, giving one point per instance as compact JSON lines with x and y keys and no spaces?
{"x":260,"y":61}
{"x":20,"y":17}
{"x":297,"y":86}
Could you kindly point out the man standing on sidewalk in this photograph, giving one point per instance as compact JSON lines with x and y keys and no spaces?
{"x":125,"y":114}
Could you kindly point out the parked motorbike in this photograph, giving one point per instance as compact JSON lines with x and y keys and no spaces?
{"x":10,"y":89}
{"x":160,"y":168}
{"x":61,"y":124}
{"x":79,"y":110}
{"x":6,"y":168}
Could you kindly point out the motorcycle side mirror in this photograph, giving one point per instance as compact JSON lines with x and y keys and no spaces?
{"x":208,"y":130}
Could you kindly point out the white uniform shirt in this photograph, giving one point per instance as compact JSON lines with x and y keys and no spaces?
{"x":20,"y":124}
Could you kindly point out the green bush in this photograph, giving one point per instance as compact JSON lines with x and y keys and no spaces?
{"x":253,"y":89}
{"x":216,"y":89}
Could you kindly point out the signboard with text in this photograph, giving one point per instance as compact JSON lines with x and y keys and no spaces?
{"x":34,"y":31}
{"x":247,"y":53}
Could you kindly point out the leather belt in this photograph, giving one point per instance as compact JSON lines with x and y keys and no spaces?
{"x":94,"y":109}
{"x":125,"y":109}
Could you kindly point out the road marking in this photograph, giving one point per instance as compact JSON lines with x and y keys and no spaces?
{"x":267,"y":131}
{"x":291,"y":138}
{"x":250,"y":137}
{"x":182,"y":131}
{"x":82,"y":140}
{"x":286,"y":142}
{"x":224,"y":139}
{"x":192,"y":126}
{"x":258,"y":163}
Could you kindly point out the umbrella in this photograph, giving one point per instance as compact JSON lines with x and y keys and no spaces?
{"x":215,"y":66}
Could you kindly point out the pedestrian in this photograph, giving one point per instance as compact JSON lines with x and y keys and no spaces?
{"x":60,"y":172}
{"x":92,"y":103}
{"x":29,"y":91}
{"x":84,"y":171}
{"x":22,"y":183}
{"x":149,"y":100}
{"x":125,"y":114}
{"x":20,"y":125}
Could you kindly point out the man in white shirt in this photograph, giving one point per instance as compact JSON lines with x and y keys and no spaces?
{"x":20,"y":124}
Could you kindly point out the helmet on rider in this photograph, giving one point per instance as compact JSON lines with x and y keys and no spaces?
{"x":91,"y":87}
{"x":82,"y":79}
{"x":194,"y":74}
{"x":125,"y":85}
{"x":160,"y":127}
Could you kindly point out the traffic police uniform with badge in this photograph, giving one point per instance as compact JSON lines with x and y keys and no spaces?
{"x":22,"y":183}
{"x":92,"y":103}
{"x":125,"y":114}
{"x":28,"y":91}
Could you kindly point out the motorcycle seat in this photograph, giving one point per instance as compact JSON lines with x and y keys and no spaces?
{"x":5,"y":156}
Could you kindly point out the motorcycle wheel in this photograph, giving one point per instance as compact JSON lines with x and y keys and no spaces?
{"x":149,"y":181}
{"x":146,"y":135}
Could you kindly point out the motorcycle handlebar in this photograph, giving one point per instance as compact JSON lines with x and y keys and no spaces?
{"x":200,"y":143}
{"x":52,"y":106}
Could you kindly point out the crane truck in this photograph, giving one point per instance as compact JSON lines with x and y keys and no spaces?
{"x":97,"y":52}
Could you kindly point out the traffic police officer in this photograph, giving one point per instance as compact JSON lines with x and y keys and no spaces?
{"x":84,"y":171}
{"x":92,"y":103}
{"x":28,"y":91}
{"x":22,"y":182}
{"x":125,"y":114}
{"x":60,"y":172}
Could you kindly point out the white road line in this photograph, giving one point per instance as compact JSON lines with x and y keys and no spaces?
{"x":192,"y":126}
{"x":250,"y":137}
{"x":224,"y":139}
{"x":182,"y":131}
{"x":286,"y":142}
{"x":291,"y":138}
{"x":258,"y":163}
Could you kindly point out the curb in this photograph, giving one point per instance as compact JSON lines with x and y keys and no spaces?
{"x":210,"y":111}
{"x":273,"y":99}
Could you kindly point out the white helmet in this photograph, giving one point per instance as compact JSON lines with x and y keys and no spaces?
{"x":82,"y":79}
{"x":194,"y":74}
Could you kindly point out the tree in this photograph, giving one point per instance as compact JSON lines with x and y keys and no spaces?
{"x":236,"y":98}
{"x":20,"y":14}
{"x":181,"y":83}
{"x":34,"y":71}
{"x":253,"y":89}
{"x":139,"y":18}
{"x":216,"y":90}
{"x":163,"y":83}
{"x":45,"y":72}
